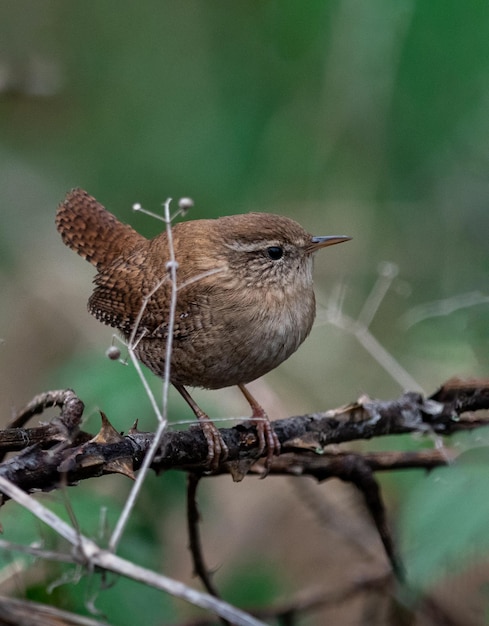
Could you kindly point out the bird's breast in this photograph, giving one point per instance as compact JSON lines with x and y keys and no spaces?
{"x":224,"y":343}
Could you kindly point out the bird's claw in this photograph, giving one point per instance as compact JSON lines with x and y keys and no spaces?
{"x":217,"y":449}
{"x":267,"y":441}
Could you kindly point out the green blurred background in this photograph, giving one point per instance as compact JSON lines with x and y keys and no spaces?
{"x":364,"y":118}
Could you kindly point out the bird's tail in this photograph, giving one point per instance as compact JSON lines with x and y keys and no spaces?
{"x":89,"y":229}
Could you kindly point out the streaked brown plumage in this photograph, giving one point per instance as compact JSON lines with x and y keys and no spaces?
{"x":245,"y":301}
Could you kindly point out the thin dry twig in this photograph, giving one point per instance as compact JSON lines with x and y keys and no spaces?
{"x":87,"y":553}
{"x":195,"y":543}
{"x":161,"y":415}
{"x":14,"y":612}
{"x":359,"y":327}
{"x":290,"y":611}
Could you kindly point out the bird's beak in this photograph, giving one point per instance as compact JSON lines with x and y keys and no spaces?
{"x":322,"y":242}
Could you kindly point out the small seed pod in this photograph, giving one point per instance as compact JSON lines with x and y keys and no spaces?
{"x":113,"y":353}
{"x":184,"y":204}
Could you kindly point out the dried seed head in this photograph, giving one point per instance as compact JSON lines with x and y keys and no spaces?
{"x":184,"y":204}
{"x":113,"y":353}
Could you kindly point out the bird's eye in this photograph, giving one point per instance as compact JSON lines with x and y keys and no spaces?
{"x":275,"y":252}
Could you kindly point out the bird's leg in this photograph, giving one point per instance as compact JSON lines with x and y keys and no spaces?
{"x":267,"y":438}
{"x":217,"y":449}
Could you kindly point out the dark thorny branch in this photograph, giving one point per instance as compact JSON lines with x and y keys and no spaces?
{"x":195,"y":544}
{"x":60,"y":452}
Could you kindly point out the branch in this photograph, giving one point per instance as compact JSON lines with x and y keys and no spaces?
{"x":14,"y":611}
{"x":60,"y":451}
{"x":87,"y":553}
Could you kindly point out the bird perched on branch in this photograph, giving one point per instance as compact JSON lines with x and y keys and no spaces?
{"x":245,"y":299}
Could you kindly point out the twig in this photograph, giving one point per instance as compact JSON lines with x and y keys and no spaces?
{"x":86,"y":552}
{"x":456,"y":406}
{"x":49,"y":555}
{"x":65,"y":398}
{"x":322,"y":598}
{"x":61,"y":430}
{"x":438,"y":308}
{"x":356,"y":471}
{"x":359,"y":327}
{"x":163,"y":415}
{"x":14,"y":612}
{"x":195,"y":544}
{"x":308,"y":601}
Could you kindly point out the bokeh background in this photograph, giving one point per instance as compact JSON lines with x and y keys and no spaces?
{"x":364,"y":118}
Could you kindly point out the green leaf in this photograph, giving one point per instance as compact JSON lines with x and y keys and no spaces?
{"x":444,"y":525}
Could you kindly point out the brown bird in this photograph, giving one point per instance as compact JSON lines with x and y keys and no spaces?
{"x":245,"y":299}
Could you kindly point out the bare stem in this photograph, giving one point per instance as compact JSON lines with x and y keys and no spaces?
{"x":87,"y":552}
{"x":359,"y":328}
{"x":161,"y":415}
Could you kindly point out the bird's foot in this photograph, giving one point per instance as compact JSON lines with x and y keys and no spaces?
{"x":267,"y":438}
{"x":217,"y":449}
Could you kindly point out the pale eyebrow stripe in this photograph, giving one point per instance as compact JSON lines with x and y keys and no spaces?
{"x":253,"y":246}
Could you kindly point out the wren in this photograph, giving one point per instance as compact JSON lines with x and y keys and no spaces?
{"x":245,"y":299}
